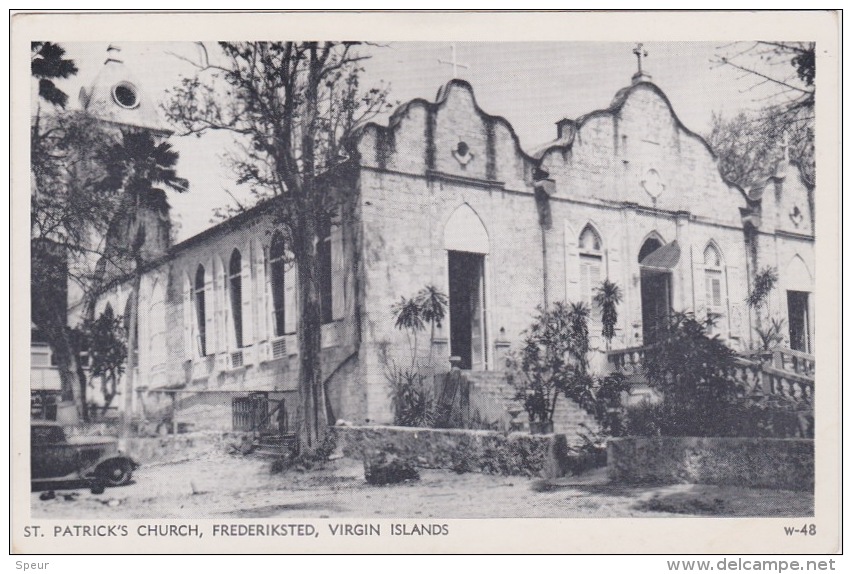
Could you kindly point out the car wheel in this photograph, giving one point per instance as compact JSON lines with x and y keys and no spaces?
{"x":115,"y":472}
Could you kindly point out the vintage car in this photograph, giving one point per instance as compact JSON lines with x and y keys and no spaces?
{"x":94,"y":460}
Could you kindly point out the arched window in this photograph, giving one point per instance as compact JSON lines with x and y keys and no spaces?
{"x":277,"y":268}
{"x":235,"y":284}
{"x":591,"y":269}
{"x":200,"y":311}
{"x":714,"y":283}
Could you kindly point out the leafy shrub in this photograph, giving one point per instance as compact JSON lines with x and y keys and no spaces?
{"x":553,"y":358}
{"x":411,"y":398}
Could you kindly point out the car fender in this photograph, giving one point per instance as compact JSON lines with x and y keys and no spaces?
{"x":90,"y":470}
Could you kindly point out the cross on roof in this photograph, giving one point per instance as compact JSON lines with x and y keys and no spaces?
{"x":640,"y":53}
{"x":453,"y":61}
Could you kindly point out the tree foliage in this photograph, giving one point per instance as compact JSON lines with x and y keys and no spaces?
{"x":552,"y":358}
{"x":781,"y":76}
{"x":105,"y":341}
{"x":48,"y":63}
{"x":694,"y":373}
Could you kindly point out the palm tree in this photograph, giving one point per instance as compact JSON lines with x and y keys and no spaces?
{"x":607,"y":297}
{"x":136,"y":165}
{"x":409,"y":317}
{"x":433,"y":308}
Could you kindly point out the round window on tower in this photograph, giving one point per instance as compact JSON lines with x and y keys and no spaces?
{"x":125,"y":95}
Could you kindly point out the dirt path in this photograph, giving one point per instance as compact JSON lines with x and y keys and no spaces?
{"x":221,"y":486}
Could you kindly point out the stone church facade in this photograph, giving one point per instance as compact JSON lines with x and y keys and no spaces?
{"x":447,"y":195}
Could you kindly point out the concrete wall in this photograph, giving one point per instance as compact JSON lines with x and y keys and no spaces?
{"x":749,"y":462}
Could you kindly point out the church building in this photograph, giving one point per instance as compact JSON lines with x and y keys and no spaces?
{"x":447,"y":195}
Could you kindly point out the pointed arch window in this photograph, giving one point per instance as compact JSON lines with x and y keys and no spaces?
{"x":235,"y":288}
{"x":591,"y":269}
{"x":277,"y":269}
{"x":200,"y":310}
{"x":714,"y":283}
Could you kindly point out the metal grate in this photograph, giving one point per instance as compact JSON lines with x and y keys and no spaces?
{"x":236,"y":359}
{"x":279,"y":348}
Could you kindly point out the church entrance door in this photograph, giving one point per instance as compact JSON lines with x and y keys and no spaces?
{"x":656,"y":260}
{"x":467,"y":309}
{"x":655,"y":303}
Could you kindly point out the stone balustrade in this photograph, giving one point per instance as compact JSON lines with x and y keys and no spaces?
{"x":782,"y":372}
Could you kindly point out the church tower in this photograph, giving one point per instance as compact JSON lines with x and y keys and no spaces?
{"x":142,"y":227}
{"x":116,"y":97}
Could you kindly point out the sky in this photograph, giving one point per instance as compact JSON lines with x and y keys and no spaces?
{"x":531,"y":84}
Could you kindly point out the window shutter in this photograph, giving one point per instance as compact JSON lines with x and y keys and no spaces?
{"x":188,"y":312}
{"x":338,"y":299}
{"x":246,"y":296}
{"x":260,"y":288}
{"x":699,"y":287}
{"x":572,"y":284}
{"x":735,"y":294}
{"x":214,"y":312}
{"x":290,"y":304}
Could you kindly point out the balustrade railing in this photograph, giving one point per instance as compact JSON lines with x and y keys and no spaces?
{"x":781,"y":371}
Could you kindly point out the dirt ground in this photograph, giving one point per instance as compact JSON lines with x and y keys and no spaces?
{"x":222,"y":486}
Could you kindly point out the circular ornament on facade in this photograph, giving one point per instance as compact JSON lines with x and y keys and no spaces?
{"x":462,"y":153}
{"x":125,"y":95}
{"x":653,"y":184}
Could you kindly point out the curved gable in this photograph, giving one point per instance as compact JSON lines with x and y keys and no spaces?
{"x":451,"y":136}
{"x":638,"y":151}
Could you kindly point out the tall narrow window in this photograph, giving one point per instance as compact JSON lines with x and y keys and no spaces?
{"x":714,"y":289}
{"x":235,"y":284}
{"x":277,"y":267}
{"x":591,"y":265}
{"x":325,"y":276}
{"x":200,"y":311}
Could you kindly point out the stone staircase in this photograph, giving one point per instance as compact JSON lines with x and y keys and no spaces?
{"x":494,"y":398}
{"x":274,"y":446}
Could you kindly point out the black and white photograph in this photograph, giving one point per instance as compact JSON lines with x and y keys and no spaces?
{"x":340,"y":292}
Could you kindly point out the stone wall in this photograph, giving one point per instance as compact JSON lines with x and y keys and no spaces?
{"x":176,"y":448}
{"x":749,"y":462}
{"x":518,"y":454}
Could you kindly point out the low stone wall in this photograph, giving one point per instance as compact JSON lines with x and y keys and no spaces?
{"x":460,"y":450}
{"x":175,"y":448}
{"x":751,"y":462}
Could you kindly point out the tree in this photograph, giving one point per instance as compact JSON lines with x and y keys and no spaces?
{"x":105,"y":340}
{"x":781,"y":76}
{"x":409,"y":318}
{"x":694,"y":373}
{"x":140,"y":230}
{"x":607,"y":297}
{"x":553,"y":359}
{"x":67,"y":209}
{"x":292,"y":107}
